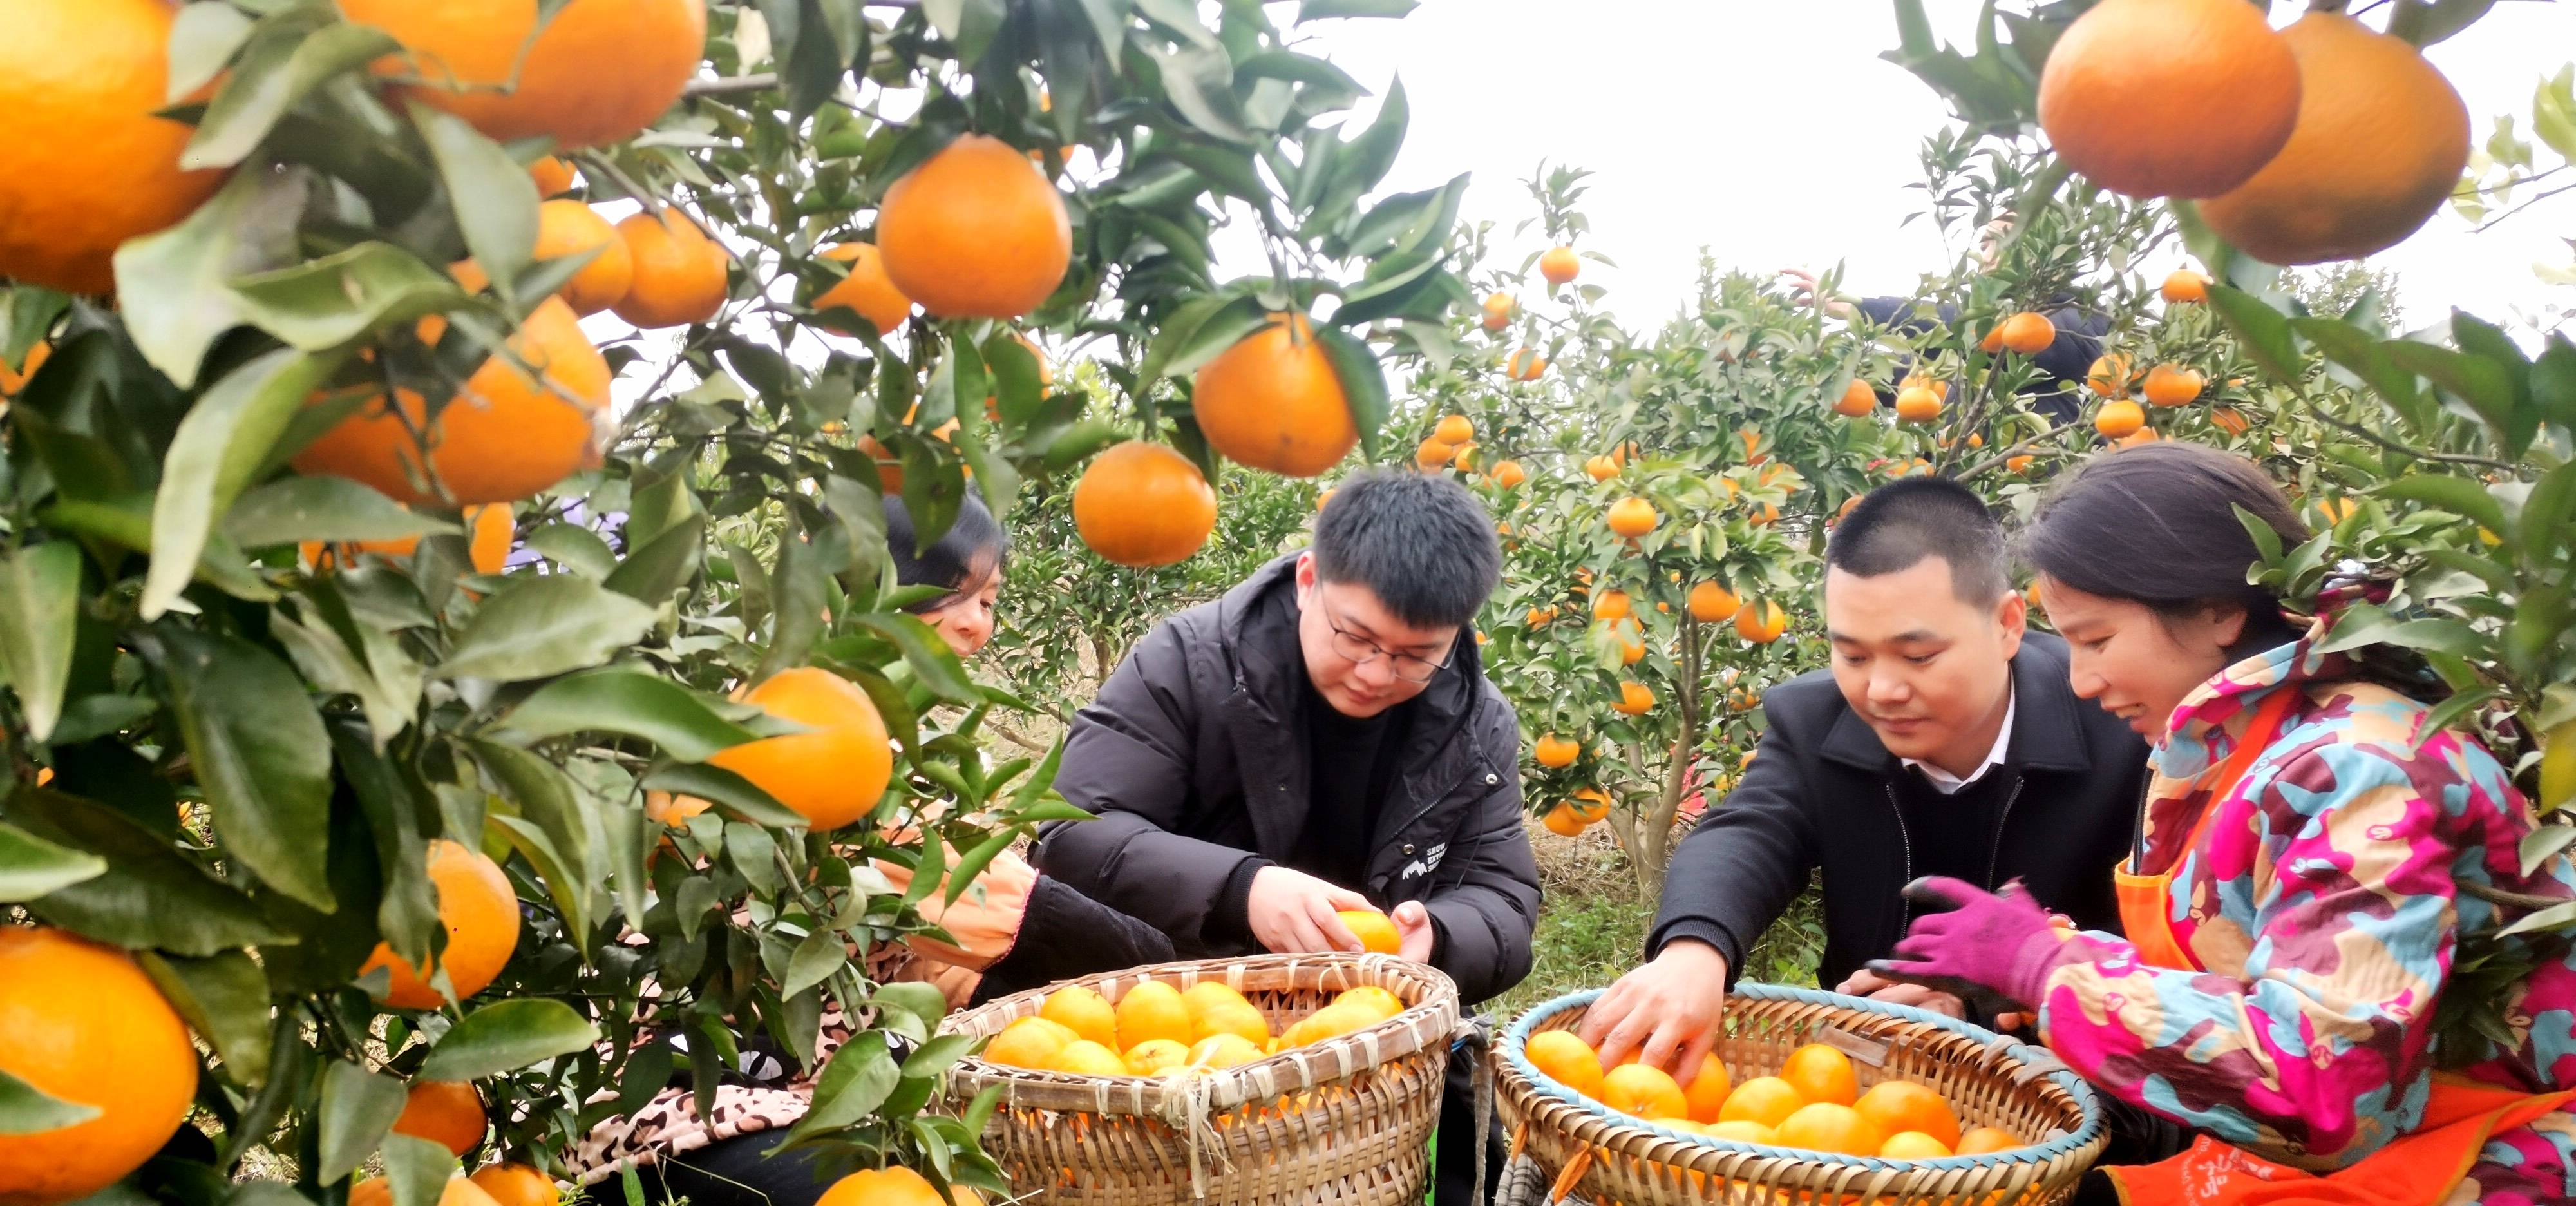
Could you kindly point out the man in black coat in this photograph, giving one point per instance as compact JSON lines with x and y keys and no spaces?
{"x":1945,"y":740}
{"x":1321,"y":738}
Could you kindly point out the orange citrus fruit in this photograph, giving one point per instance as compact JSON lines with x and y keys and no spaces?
{"x":1226,"y":1051}
{"x":2172,"y":385}
{"x":1498,"y":311}
{"x":554,"y":177}
{"x":481,"y":915}
{"x":1432,"y":454}
{"x":1912,"y":1145}
{"x":517,"y":1185}
{"x":2169,"y":98}
{"x":460,"y":1191}
{"x":893,"y":1186}
{"x":2381,"y":141}
{"x":445,"y":1112}
{"x":567,"y":228}
{"x":1761,"y":623}
{"x":2229,"y":419}
{"x":1708,"y":1091}
{"x":1526,"y":365}
{"x":1085,"y":1012}
{"x":1153,"y":1057}
{"x":1374,"y":929}
{"x":1508,"y":474}
{"x":2119,"y":417}
{"x":1635,"y":699}
{"x":867,"y":290}
{"x":1711,"y":603}
{"x":81,"y":1023}
{"x":1987,"y":1140}
{"x":1273,"y":401}
{"x":1821,"y":1075}
{"x":1553,"y":751}
{"x":2184,"y":287}
{"x":1029,"y":1043}
{"x":1330,"y":1022}
{"x":1564,"y":821}
{"x":503,"y":437}
{"x":1766,"y":1100}
{"x":1143,"y":504}
{"x":1743,"y":1131}
{"x":87,"y":165}
{"x":1902,"y":1105}
{"x":1152,"y":1010}
{"x":1858,"y":399}
{"x":1918,"y":405}
{"x":1454,"y":429}
{"x":2026,"y":333}
{"x":1611,"y":605}
{"x":1600,"y":468}
{"x":678,"y":272}
{"x":1633,"y":517}
{"x":1370,"y":997}
{"x":1083,"y":1057}
{"x":1826,"y":1127}
{"x":1216,"y":1009}
{"x":489,"y":530}
{"x":1590,"y":804}
{"x":1559,"y":265}
{"x":1566,"y":1059}
{"x":2110,"y":375}
{"x":599,"y":71}
{"x":975,"y":232}
{"x":14,"y":380}
{"x":832,"y":775}
{"x":1645,"y":1091}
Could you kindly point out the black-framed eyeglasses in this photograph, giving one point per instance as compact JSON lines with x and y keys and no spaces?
{"x":1360,"y":651}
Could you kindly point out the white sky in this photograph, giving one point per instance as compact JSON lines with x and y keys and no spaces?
{"x":1773,"y":134}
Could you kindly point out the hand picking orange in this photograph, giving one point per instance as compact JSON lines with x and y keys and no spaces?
{"x":1374,"y":930}
{"x":1708,"y":1091}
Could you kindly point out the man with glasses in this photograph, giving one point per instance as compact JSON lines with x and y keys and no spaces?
{"x":1321,"y":738}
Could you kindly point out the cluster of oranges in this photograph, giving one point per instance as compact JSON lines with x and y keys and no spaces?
{"x":1815,"y":1103}
{"x":1452,"y":444}
{"x":1156,"y":1030}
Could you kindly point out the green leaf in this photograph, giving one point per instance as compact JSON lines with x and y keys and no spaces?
{"x":1318,"y":10}
{"x":506,"y":1036}
{"x":175,"y":287}
{"x":820,"y":954}
{"x":39,"y":616}
{"x":345,"y":296}
{"x":2540,"y":532}
{"x":494,"y":198}
{"x":663,"y":565}
{"x":418,"y":1169}
{"x":1199,"y":81}
{"x":796,"y":604}
{"x":333,"y":668}
{"x":544,"y":625}
{"x":575,"y":548}
{"x":2355,"y":350}
{"x":358,"y":1109}
{"x":202,"y":40}
{"x":2433,"y":21}
{"x":224,"y":998}
{"x":27,"y":1110}
{"x":2458,"y":495}
{"x":859,"y":1078}
{"x":151,"y":895}
{"x":1363,"y":383}
{"x":1196,"y":333}
{"x":684,"y":724}
{"x":732,"y":794}
{"x":294,"y":510}
{"x":31,"y":867}
{"x":2264,"y":332}
{"x":2482,"y":384}
{"x":930,"y":657}
{"x":285,"y":62}
{"x":219,"y":446}
{"x":935,"y":1056}
{"x":259,"y":752}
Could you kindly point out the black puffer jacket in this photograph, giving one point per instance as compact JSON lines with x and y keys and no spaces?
{"x":1194,"y":759}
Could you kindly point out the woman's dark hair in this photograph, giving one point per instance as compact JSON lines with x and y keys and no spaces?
{"x":974,"y":548}
{"x":2157,"y":524}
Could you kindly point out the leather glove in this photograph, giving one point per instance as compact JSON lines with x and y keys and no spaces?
{"x":1992,"y":949}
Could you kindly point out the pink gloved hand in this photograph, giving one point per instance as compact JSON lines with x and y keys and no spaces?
{"x":1993,"y":948}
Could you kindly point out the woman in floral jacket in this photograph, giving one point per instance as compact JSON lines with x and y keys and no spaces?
{"x":2309,"y":857}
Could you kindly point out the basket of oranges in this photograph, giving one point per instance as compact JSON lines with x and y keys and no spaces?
{"x":1264,"y":1081}
{"x":1809,"y":1097}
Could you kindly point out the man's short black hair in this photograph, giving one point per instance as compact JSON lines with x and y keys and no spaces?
{"x":1419,"y":541}
{"x":1899,"y":524}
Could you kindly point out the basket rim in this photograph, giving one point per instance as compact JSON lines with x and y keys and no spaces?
{"x":1515,"y":1041}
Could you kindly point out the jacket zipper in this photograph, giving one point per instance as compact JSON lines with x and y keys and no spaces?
{"x":1906,"y":841}
{"x":1995,"y":857}
{"x":2138,"y":833}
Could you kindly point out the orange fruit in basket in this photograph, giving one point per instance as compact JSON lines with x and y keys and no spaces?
{"x":1742,"y":1132}
{"x":1898,"y":1106}
{"x":1028,"y":1043}
{"x":1987,"y":1140}
{"x":896,"y":1186}
{"x":1330,"y":1022}
{"x":1225,"y":1051}
{"x":1374,"y":929}
{"x":1912,"y":1145}
{"x":1377,"y":1000}
{"x":1826,"y":1127}
{"x":1645,"y":1091}
{"x":1216,"y":1009}
{"x":1083,"y":1011}
{"x":1153,"y":1057}
{"x":1708,"y":1090}
{"x":1153,"y":1010}
{"x":1821,"y":1074}
{"x":1565,"y":1058}
{"x":1083,"y":1057}
{"x":1768,"y":1100}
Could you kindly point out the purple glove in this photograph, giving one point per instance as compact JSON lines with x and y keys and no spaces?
{"x":1985,"y":947}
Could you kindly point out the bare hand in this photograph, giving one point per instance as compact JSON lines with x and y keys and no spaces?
{"x":1866,"y":983}
{"x":1413,"y":931}
{"x":1802,"y":284}
{"x":1292,"y":913}
{"x":1667,"y":1012}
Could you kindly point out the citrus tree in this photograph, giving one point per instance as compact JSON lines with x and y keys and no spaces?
{"x":418,"y":695}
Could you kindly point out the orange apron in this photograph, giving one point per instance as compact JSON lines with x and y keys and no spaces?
{"x":2419,"y":1169}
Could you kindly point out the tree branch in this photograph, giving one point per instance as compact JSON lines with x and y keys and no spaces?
{"x":729,"y":85}
{"x":2447,"y":458}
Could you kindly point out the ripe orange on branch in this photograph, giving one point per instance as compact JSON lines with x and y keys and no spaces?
{"x":1143,"y":504}
{"x":1858,"y":399}
{"x":893,"y":1186}
{"x":554,"y":177}
{"x":1761,"y":623}
{"x":481,"y":915}
{"x":2185,"y":287}
{"x":1498,"y":311}
{"x":1432,"y":454}
{"x":80,"y":1022}
{"x":2380,"y":144}
{"x":446,"y":1112}
{"x":832,"y":775}
{"x":489,"y":530}
{"x":1508,"y":474}
{"x":1633,"y":517}
{"x":1635,"y":699}
{"x":2172,"y":385}
{"x":1526,"y":365}
{"x":1917,"y":405}
{"x":570,"y":228}
{"x":866,"y":289}
{"x":599,"y":71}
{"x":1273,"y":401}
{"x":1611,"y":605}
{"x":2027,"y":333}
{"x":1559,"y":265}
{"x":679,"y":273}
{"x":1454,"y":429}
{"x":2169,"y":98}
{"x":516,"y":1185}
{"x":1553,"y":751}
{"x":975,"y":232}
{"x":1711,"y":603}
{"x":2118,"y":418}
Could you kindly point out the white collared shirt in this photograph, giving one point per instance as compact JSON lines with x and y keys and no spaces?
{"x":1948,"y":784}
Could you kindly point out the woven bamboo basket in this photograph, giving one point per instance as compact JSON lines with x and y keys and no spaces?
{"x":1342,"y":1121}
{"x":1611,"y":1159}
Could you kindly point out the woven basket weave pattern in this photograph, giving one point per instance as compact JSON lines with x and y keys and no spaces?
{"x":1988,"y":1080}
{"x":1341,"y":1121}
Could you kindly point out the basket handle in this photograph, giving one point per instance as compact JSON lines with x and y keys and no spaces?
{"x":1476,"y":1035}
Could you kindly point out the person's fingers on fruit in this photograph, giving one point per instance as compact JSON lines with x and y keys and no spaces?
{"x":1609,"y":1011}
{"x":1670,"y":1035}
{"x":2011,"y":1021}
{"x":1862,"y":983}
{"x":1701,"y":1043}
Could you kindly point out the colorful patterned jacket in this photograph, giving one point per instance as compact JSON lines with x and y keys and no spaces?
{"x":2324,"y":902}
